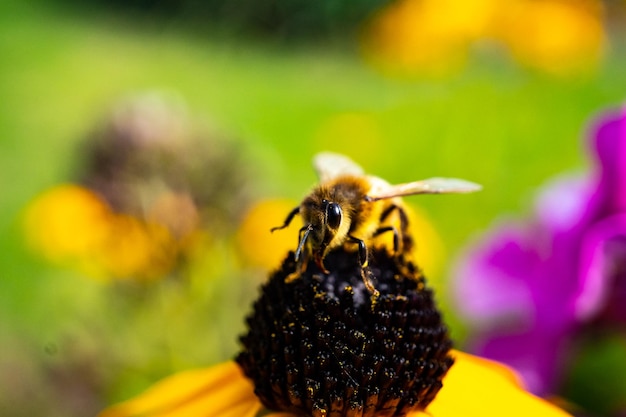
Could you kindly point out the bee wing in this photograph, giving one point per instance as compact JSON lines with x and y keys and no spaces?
{"x":428,"y":186}
{"x":329,"y":165}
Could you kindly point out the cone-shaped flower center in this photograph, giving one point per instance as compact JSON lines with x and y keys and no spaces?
{"x":321,"y":345}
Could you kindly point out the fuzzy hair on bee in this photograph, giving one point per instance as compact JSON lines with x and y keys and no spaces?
{"x":349,"y":209}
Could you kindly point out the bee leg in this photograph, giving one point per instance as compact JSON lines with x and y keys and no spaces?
{"x":396,"y":237}
{"x":301,"y":266}
{"x":302,"y":236}
{"x":301,"y":262}
{"x":367,"y":280}
{"x":288,"y":220}
{"x":365,"y":274}
{"x":319,"y":261}
{"x":362,"y":250}
{"x":407,"y":241}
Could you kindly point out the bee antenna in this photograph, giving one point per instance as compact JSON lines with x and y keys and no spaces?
{"x":306,"y":229}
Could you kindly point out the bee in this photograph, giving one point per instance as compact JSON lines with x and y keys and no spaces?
{"x":349,"y":208}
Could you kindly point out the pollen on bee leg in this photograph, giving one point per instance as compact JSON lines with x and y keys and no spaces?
{"x":367,"y":280}
{"x":292,"y":277}
{"x":300,"y":269}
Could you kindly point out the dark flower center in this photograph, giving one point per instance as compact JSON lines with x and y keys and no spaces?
{"x":321,"y":346}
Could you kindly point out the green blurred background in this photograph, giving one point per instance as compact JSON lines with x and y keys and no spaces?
{"x":70,"y":345}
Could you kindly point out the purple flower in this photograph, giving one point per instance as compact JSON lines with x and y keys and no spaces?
{"x":528,"y":287}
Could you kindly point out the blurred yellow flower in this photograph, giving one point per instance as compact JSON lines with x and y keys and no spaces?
{"x":71,"y":225}
{"x":561,"y":37}
{"x":433,"y":37}
{"x":137,"y":249}
{"x":66,"y":223}
{"x":473,"y":387}
{"x":426,"y":37}
{"x":257,"y":244}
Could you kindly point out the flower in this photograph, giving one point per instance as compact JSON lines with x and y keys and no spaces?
{"x":429,"y":37}
{"x":528,"y":288}
{"x":52,"y":220}
{"x":559,"y":37}
{"x":72,"y":226}
{"x":434,"y":37}
{"x":150,"y":193}
{"x":473,"y":387}
{"x":322,"y":345}
{"x":148,"y":159}
{"x":257,"y":245}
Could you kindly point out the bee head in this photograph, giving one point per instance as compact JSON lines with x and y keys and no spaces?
{"x":322,"y":219}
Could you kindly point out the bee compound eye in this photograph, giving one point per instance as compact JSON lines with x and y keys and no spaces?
{"x":333,"y":216}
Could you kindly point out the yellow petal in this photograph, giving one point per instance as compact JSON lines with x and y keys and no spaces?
{"x":476,"y":387}
{"x":220,"y":391}
{"x":473,"y":387}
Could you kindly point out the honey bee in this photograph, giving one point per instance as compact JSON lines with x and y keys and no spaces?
{"x":349,"y":208}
